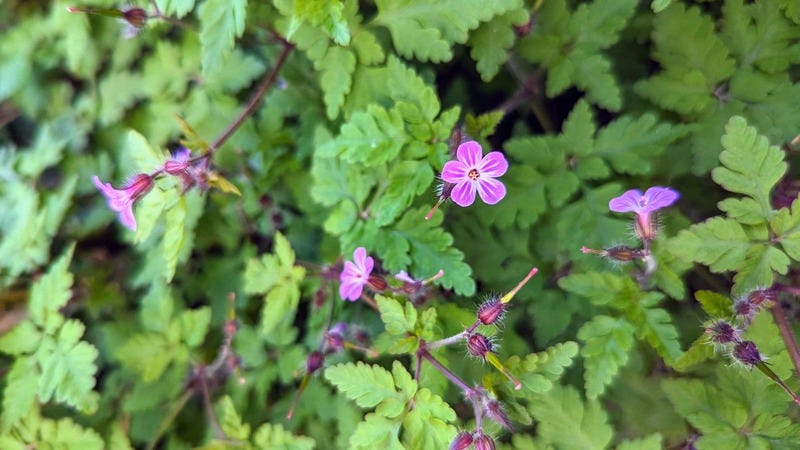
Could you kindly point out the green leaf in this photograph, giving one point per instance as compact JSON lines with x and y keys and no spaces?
{"x":19,"y":395}
{"x":327,"y":15}
{"x":743,"y":210}
{"x":563,"y":418}
{"x":23,"y":338}
{"x":607,"y":344}
{"x":178,"y":8}
{"x":652,"y":442}
{"x":750,"y":166}
{"x":147,"y":354}
{"x":427,"y":425}
{"x":659,"y":331}
{"x":376,"y":432}
{"x":721,"y":244}
{"x":491,"y":40}
{"x":68,"y":435}
{"x":146,"y":157}
{"x":194,"y":325}
{"x":704,"y":407}
{"x":398,"y":320}
{"x":67,"y":368}
{"x":408,"y":179}
{"x":336,"y":78}
{"x":174,"y":236}
{"x":367,"y":385}
{"x":370,"y":137}
{"x":50,"y":293}
{"x":427,"y":29}
{"x":569,"y":46}
{"x":270,"y":436}
{"x":681,"y":91}
{"x":221,"y":22}
{"x":715,"y":305}
{"x":700,"y":350}
{"x":600,"y":287}
{"x":230,"y":421}
{"x":538,"y":371}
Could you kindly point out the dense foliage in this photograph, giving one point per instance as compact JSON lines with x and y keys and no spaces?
{"x":273,"y":152}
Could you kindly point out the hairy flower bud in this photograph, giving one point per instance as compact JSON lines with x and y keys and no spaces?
{"x":722,"y":332}
{"x":462,"y":441}
{"x":491,"y":311}
{"x":495,"y":412}
{"x":747,"y":353}
{"x":483,"y":442}
{"x":479,"y":345}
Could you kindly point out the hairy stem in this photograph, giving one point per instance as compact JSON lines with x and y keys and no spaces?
{"x":255,"y":100}
{"x":787,"y":335}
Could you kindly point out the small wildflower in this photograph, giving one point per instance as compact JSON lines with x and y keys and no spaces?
{"x":462,"y":441}
{"x":334,"y":338}
{"x":355,"y":275}
{"x":747,"y":353}
{"x":644,"y":206}
{"x":122,"y":200}
{"x":491,"y":311}
{"x":473,"y":173}
{"x":314,"y":361}
{"x":483,"y":442}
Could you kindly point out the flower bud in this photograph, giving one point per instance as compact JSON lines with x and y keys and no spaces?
{"x":491,"y":311}
{"x":377,"y":283}
{"x":747,"y":353}
{"x":495,"y":412}
{"x":334,"y":338}
{"x":478,"y":345}
{"x":722,"y":332}
{"x":135,"y":16}
{"x":314,"y":361}
{"x":483,"y":442}
{"x":462,"y":441}
{"x":761,"y":297}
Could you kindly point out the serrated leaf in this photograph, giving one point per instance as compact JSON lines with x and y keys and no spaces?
{"x":146,"y":157}
{"x":51,"y":292}
{"x":682,"y":91}
{"x":370,"y":137}
{"x":427,"y":425}
{"x":652,"y":442}
{"x":714,"y":304}
{"x":743,"y":210}
{"x":491,"y":40}
{"x":408,"y":179}
{"x":336,"y":78}
{"x":148,"y":211}
{"x":367,"y":385}
{"x":269,"y":436}
{"x":147,"y":354}
{"x":221,"y":22}
{"x":174,"y":236}
{"x":68,"y":435}
{"x":565,"y":419}
{"x":327,"y":15}
{"x":427,"y":30}
{"x":700,"y":350}
{"x":659,"y":331}
{"x":719,"y":243}
{"x":539,"y":370}
{"x":376,"y":432}
{"x":600,"y":287}
{"x":398,"y":320}
{"x":178,"y":8}
{"x":367,"y":48}
{"x":750,"y":165}
{"x":194,"y":325}
{"x":19,"y":395}
{"x":67,"y":368}
{"x":23,"y":338}
{"x":607,"y":342}
{"x":230,"y":421}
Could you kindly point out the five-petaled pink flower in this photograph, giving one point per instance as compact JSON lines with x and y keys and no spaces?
{"x":471,"y":172}
{"x":122,"y":200}
{"x":355,"y":275}
{"x":655,"y":198}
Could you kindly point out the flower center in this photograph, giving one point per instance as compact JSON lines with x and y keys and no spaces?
{"x":473,"y":174}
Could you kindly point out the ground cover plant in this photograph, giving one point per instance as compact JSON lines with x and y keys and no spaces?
{"x":421,"y":224}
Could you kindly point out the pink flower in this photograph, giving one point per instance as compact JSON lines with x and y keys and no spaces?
{"x":355,"y":275}
{"x":122,"y":200}
{"x":179,"y":162}
{"x":655,"y":198}
{"x":471,"y":172}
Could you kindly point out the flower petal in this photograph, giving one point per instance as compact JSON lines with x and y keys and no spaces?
{"x":626,"y":202}
{"x":658,"y":197}
{"x":491,"y":190}
{"x":126,"y":217}
{"x":464,"y":193}
{"x":454,"y":171}
{"x":350,"y":291}
{"x":359,"y":255}
{"x":493,"y":165}
{"x":469,"y":153}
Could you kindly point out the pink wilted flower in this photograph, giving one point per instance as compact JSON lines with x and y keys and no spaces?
{"x":355,"y":275}
{"x":655,"y":198}
{"x":471,"y":172}
{"x":122,"y":200}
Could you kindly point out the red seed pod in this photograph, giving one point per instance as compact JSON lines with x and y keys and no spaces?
{"x":377,"y":283}
{"x":491,"y":311}
{"x":483,"y":442}
{"x":462,"y":441}
{"x":747,"y":353}
{"x":479,"y":345}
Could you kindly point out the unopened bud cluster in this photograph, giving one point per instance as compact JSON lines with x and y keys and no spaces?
{"x":727,"y":336}
{"x":476,"y":440}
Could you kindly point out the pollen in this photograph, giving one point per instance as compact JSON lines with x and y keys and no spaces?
{"x":474,"y":175}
